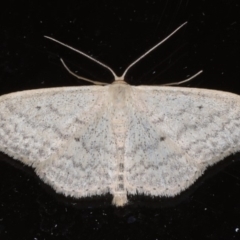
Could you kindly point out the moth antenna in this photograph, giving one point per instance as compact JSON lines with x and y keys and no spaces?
{"x":151,"y":49}
{"x":117,"y":78}
{"x":84,"y":54}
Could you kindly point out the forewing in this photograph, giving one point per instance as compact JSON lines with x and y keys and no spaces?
{"x":62,"y":133}
{"x":175,"y":134}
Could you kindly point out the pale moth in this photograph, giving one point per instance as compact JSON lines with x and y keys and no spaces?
{"x":118,"y":138}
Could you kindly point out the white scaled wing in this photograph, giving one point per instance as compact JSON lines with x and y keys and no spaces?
{"x":175,"y":133}
{"x":121,"y":139}
{"x":64,"y":133}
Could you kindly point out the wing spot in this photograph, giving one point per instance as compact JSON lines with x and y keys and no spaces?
{"x":162,"y":139}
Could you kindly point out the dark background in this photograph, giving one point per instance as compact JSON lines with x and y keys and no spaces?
{"x":116,"y":33}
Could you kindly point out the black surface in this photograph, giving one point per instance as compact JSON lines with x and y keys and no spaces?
{"x":116,"y":33}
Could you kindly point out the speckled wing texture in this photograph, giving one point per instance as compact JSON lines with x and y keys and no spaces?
{"x":64,"y":134}
{"x":175,"y":133}
{"x":119,"y":139}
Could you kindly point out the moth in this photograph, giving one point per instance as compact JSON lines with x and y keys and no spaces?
{"x":117,"y":138}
